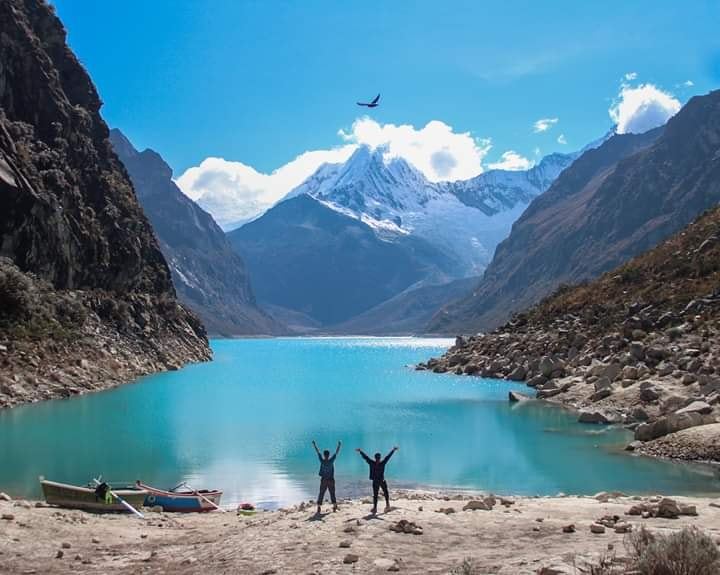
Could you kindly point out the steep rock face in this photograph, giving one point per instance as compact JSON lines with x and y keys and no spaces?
{"x":614,"y":202}
{"x":71,"y":229}
{"x":307,"y":257}
{"x":209,"y":276}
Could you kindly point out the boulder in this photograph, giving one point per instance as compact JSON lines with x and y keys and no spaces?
{"x":649,"y":394}
{"x":696,"y":407}
{"x":516,"y":397}
{"x":476,"y":505}
{"x":517,"y":374}
{"x":537,"y":380}
{"x":630,"y":372}
{"x":602,"y":416}
{"x":386,"y":564}
{"x":597,"y":528}
{"x":5,"y":497}
{"x":668,"y":508}
{"x":351,"y":558}
{"x":670,"y":424}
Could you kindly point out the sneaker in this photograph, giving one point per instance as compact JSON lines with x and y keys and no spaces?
{"x":388,"y":509}
{"x":374,"y":511}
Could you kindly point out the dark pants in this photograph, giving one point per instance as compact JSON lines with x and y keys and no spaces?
{"x":327,"y":485}
{"x":377,"y":485}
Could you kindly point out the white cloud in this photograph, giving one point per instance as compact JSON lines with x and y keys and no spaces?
{"x":436,"y":150}
{"x":511,"y":160}
{"x":561,"y":139}
{"x":544,"y":124}
{"x":631,"y":76}
{"x":688,"y":83}
{"x":234,"y":192}
{"x":640,"y":109}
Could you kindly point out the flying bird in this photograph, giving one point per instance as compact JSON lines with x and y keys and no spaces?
{"x":373,"y":104}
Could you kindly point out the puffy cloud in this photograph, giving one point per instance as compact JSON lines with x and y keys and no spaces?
{"x":631,"y":76}
{"x":511,"y":160}
{"x":561,"y":139}
{"x":688,"y":83}
{"x":436,"y":150}
{"x":234,"y":192}
{"x":642,"y":108}
{"x":544,"y":124}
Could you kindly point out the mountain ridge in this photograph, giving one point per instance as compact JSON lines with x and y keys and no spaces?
{"x":87,"y":300}
{"x":208,"y":274}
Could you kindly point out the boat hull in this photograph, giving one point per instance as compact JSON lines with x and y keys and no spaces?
{"x":181,"y":501}
{"x":75,"y":497}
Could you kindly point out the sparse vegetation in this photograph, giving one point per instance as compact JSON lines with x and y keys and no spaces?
{"x":685,"y":552}
{"x":467,"y":567}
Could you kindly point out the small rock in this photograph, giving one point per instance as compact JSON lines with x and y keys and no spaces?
{"x":7,"y":517}
{"x":623,"y":527}
{"x":189,"y":561}
{"x":345,"y":544}
{"x":5,"y":497}
{"x":386,"y":564}
{"x":688,"y":510}
{"x":569,"y":528}
{"x":66,"y":545}
{"x":60,"y":554}
{"x":477,"y":505}
{"x":696,"y":407}
{"x":95,"y":540}
{"x":351,"y":558}
{"x":597,"y":528}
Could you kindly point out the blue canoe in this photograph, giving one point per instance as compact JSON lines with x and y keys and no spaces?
{"x":186,"y":501}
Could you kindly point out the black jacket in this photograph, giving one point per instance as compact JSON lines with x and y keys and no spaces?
{"x":377,"y":468}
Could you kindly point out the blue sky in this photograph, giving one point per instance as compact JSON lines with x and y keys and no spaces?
{"x":260,"y":82}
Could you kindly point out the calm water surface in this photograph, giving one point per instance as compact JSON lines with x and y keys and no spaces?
{"x":244,"y":423}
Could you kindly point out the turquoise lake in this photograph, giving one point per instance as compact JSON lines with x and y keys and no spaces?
{"x":244,"y":423}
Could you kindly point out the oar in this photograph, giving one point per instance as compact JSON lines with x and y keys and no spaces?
{"x":201,"y":496}
{"x":122,"y":501}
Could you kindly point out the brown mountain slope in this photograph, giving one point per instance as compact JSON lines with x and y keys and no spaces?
{"x":640,"y":343}
{"x":610,"y":205}
{"x":82,"y":280}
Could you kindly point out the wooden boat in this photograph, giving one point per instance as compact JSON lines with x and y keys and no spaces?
{"x":75,"y":497}
{"x":185,"y":501}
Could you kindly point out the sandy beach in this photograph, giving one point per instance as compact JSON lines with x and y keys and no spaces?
{"x":516,"y":535}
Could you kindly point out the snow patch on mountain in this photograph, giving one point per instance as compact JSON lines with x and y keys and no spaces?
{"x":465,"y":218}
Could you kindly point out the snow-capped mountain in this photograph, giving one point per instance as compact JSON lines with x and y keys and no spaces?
{"x":466,"y":218}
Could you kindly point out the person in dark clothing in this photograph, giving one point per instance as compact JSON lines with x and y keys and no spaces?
{"x":377,"y":476}
{"x":327,"y":475}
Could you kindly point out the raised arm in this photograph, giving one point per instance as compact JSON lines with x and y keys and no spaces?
{"x":316,"y":448}
{"x":363,"y":455}
{"x":389,"y":455}
{"x":339,"y":445}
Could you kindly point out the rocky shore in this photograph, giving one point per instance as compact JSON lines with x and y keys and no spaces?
{"x":639,"y":346}
{"x":428,"y":533}
{"x":653,"y":377}
{"x":55,"y":344}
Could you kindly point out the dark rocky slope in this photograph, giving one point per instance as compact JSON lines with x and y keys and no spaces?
{"x":640,"y":345}
{"x":306,"y":257}
{"x":87,"y":298}
{"x":613,"y":203}
{"x":407,"y":313}
{"x":209,"y":276}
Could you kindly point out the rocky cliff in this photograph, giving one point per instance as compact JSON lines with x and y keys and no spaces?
{"x":209,"y":276}
{"x":87,"y":298}
{"x":613,"y":203}
{"x":639,"y":346}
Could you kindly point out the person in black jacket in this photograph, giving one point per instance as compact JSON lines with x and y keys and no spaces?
{"x":377,"y":476}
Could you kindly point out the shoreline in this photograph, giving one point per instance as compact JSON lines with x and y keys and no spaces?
{"x":455,"y":527}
